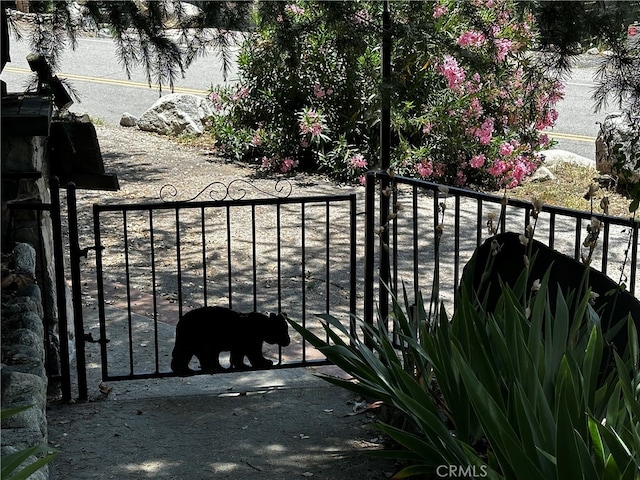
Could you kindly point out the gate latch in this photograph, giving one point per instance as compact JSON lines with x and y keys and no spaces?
{"x":88,"y":337}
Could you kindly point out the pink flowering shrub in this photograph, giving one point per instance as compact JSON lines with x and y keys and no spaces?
{"x":468,"y":102}
{"x":486,"y":102}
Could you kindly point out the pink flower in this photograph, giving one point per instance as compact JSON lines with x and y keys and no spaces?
{"x":362,"y":179}
{"x":505,"y":149}
{"x":477,"y":161}
{"x":438,"y":170}
{"x":318,"y":91}
{"x":424,"y":168}
{"x":461,"y":178}
{"x":439,"y":10}
{"x":548,"y":120}
{"x":311,"y":122}
{"x":543,"y":140}
{"x":256,"y":140}
{"x":503,"y":47}
{"x":452,"y":71}
{"x":426,"y":128}
{"x":361,"y":17}
{"x":316,"y":129}
{"x":217,"y":101}
{"x":240,"y":94}
{"x":296,"y":10}
{"x":471,"y":38}
{"x":358,"y":161}
{"x":498,"y":168}
{"x":475,"y":109}
{"x":266,"y":163}
{"x":520,"y":170}
{"x":485,"y":132}
{"x":288,"y":164}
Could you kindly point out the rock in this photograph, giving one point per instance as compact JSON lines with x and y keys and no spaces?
{"x":128,"y":120}
{"x":593,"y":51}
{"x":177,"y":113}
{"x":543,"y":174}
{"x":30,"y":321}
{"x":23,"y":351}
{"x":565,"y":274}
{"x":555,"y":157}
{"x":24,"y":259}
{"x":616,"y":139}
{"x":20,"y":389}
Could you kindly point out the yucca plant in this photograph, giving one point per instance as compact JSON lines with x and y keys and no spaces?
{"x":512,"y":394}
{"x":13,"y":465}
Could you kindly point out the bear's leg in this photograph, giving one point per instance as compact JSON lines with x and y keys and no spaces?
{"x":180,"y":359}
{"x":256,"y":358}
{"x":209,"y":360}
{"x":236,"y":358}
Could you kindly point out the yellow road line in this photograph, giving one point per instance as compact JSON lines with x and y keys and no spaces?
{"x":109,"y":81}
{"x":132,"y":84}
{"x":571,"y":136}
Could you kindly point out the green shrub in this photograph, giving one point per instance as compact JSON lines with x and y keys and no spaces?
{"x":467,"y":98}
{"x":513,"y":394}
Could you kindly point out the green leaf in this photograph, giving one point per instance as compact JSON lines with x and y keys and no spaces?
{"x":10,"y":412}
{"x":597,"y":444}
{"x":591,"y":367}
{"x":12,"y":462}
{"x":413,"y":470}
{"x":427,"y":452}
{"x":619,"y":451}
{"x":503,"y":439}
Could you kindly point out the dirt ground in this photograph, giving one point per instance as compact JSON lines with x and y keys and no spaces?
{"x":284,"y":424}
{"x":271,"y":424}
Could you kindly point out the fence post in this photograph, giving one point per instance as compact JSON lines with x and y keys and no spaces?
{"x":61,"y":294}
{"x":76,"y":291}
{"x":369,"y":246}
{"x":385,"y":94}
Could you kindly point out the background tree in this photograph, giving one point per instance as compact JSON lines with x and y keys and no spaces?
{"x":162,"y":36}
{"x":140,"y":28}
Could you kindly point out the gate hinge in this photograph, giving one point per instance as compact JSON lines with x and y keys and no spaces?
{"x":84,"y":251}
{"x":88,"y":337}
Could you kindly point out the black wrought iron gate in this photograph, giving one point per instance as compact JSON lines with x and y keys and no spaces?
{"x":155,"y":261}
{"x":296,"y":255}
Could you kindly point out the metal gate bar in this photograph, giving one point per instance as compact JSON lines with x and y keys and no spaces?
{"x":429,"y":254}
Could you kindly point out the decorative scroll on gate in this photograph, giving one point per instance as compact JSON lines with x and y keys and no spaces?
{"x":235,"y":190}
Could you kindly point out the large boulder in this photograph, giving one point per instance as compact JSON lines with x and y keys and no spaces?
{"x":618,"y":148}
{"x":502,"y":258}
{"x":177,"y":113}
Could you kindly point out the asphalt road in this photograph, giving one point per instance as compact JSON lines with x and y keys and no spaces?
{"x":106,"y":92}
{"x":101,"y":82}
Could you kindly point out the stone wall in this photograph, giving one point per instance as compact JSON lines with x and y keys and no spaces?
{"x":24,"y":378}
{"x":30,"y":350}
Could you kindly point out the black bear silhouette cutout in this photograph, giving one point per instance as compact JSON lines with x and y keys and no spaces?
{"x":206,"y":332}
